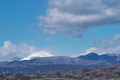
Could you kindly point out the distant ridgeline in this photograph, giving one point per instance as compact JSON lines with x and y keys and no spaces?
{"x":58,"y":64}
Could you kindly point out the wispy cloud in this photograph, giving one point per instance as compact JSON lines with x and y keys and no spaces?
{"x":74,"y":17}
{"x":107,"y":45}
{"x":44,"y":37}
{"x":1,"y":26}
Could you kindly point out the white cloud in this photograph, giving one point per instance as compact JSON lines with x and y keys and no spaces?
{"x":108,"y":45}
{"x":10,"y":50}
{"x":74,"y":17}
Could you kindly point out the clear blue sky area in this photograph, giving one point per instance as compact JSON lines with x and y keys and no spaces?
{"x":19,"y":23}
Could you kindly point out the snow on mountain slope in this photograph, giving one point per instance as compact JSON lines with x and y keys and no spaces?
{"x":38,"y":54}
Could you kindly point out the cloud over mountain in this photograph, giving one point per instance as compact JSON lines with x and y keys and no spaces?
{"x":10,"y":50}
{"x":107,"y":45}
{"x":74,"y":17}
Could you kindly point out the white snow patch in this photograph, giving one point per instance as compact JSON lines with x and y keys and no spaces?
{"x":38,"y":54}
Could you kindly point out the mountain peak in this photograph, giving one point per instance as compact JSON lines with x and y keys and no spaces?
{"x":90,"y":56}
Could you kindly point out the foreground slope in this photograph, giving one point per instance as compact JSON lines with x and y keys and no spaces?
{"x":105,"y":73}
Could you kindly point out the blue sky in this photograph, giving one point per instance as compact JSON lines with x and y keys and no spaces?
{"x":59,"y":27}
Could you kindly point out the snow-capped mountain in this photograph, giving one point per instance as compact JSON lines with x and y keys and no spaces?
{"x":90,"y":60}
{"x":43,"y":59}
{"x":38,"y":54}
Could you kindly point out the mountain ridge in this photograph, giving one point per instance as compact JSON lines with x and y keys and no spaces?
{"x":89,"y":61}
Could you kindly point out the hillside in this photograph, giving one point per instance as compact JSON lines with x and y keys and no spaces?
{"x":105,"y":73}
{"x":58,"y":64}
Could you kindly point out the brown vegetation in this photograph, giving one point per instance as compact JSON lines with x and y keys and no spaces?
{"x":105,"y":73}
